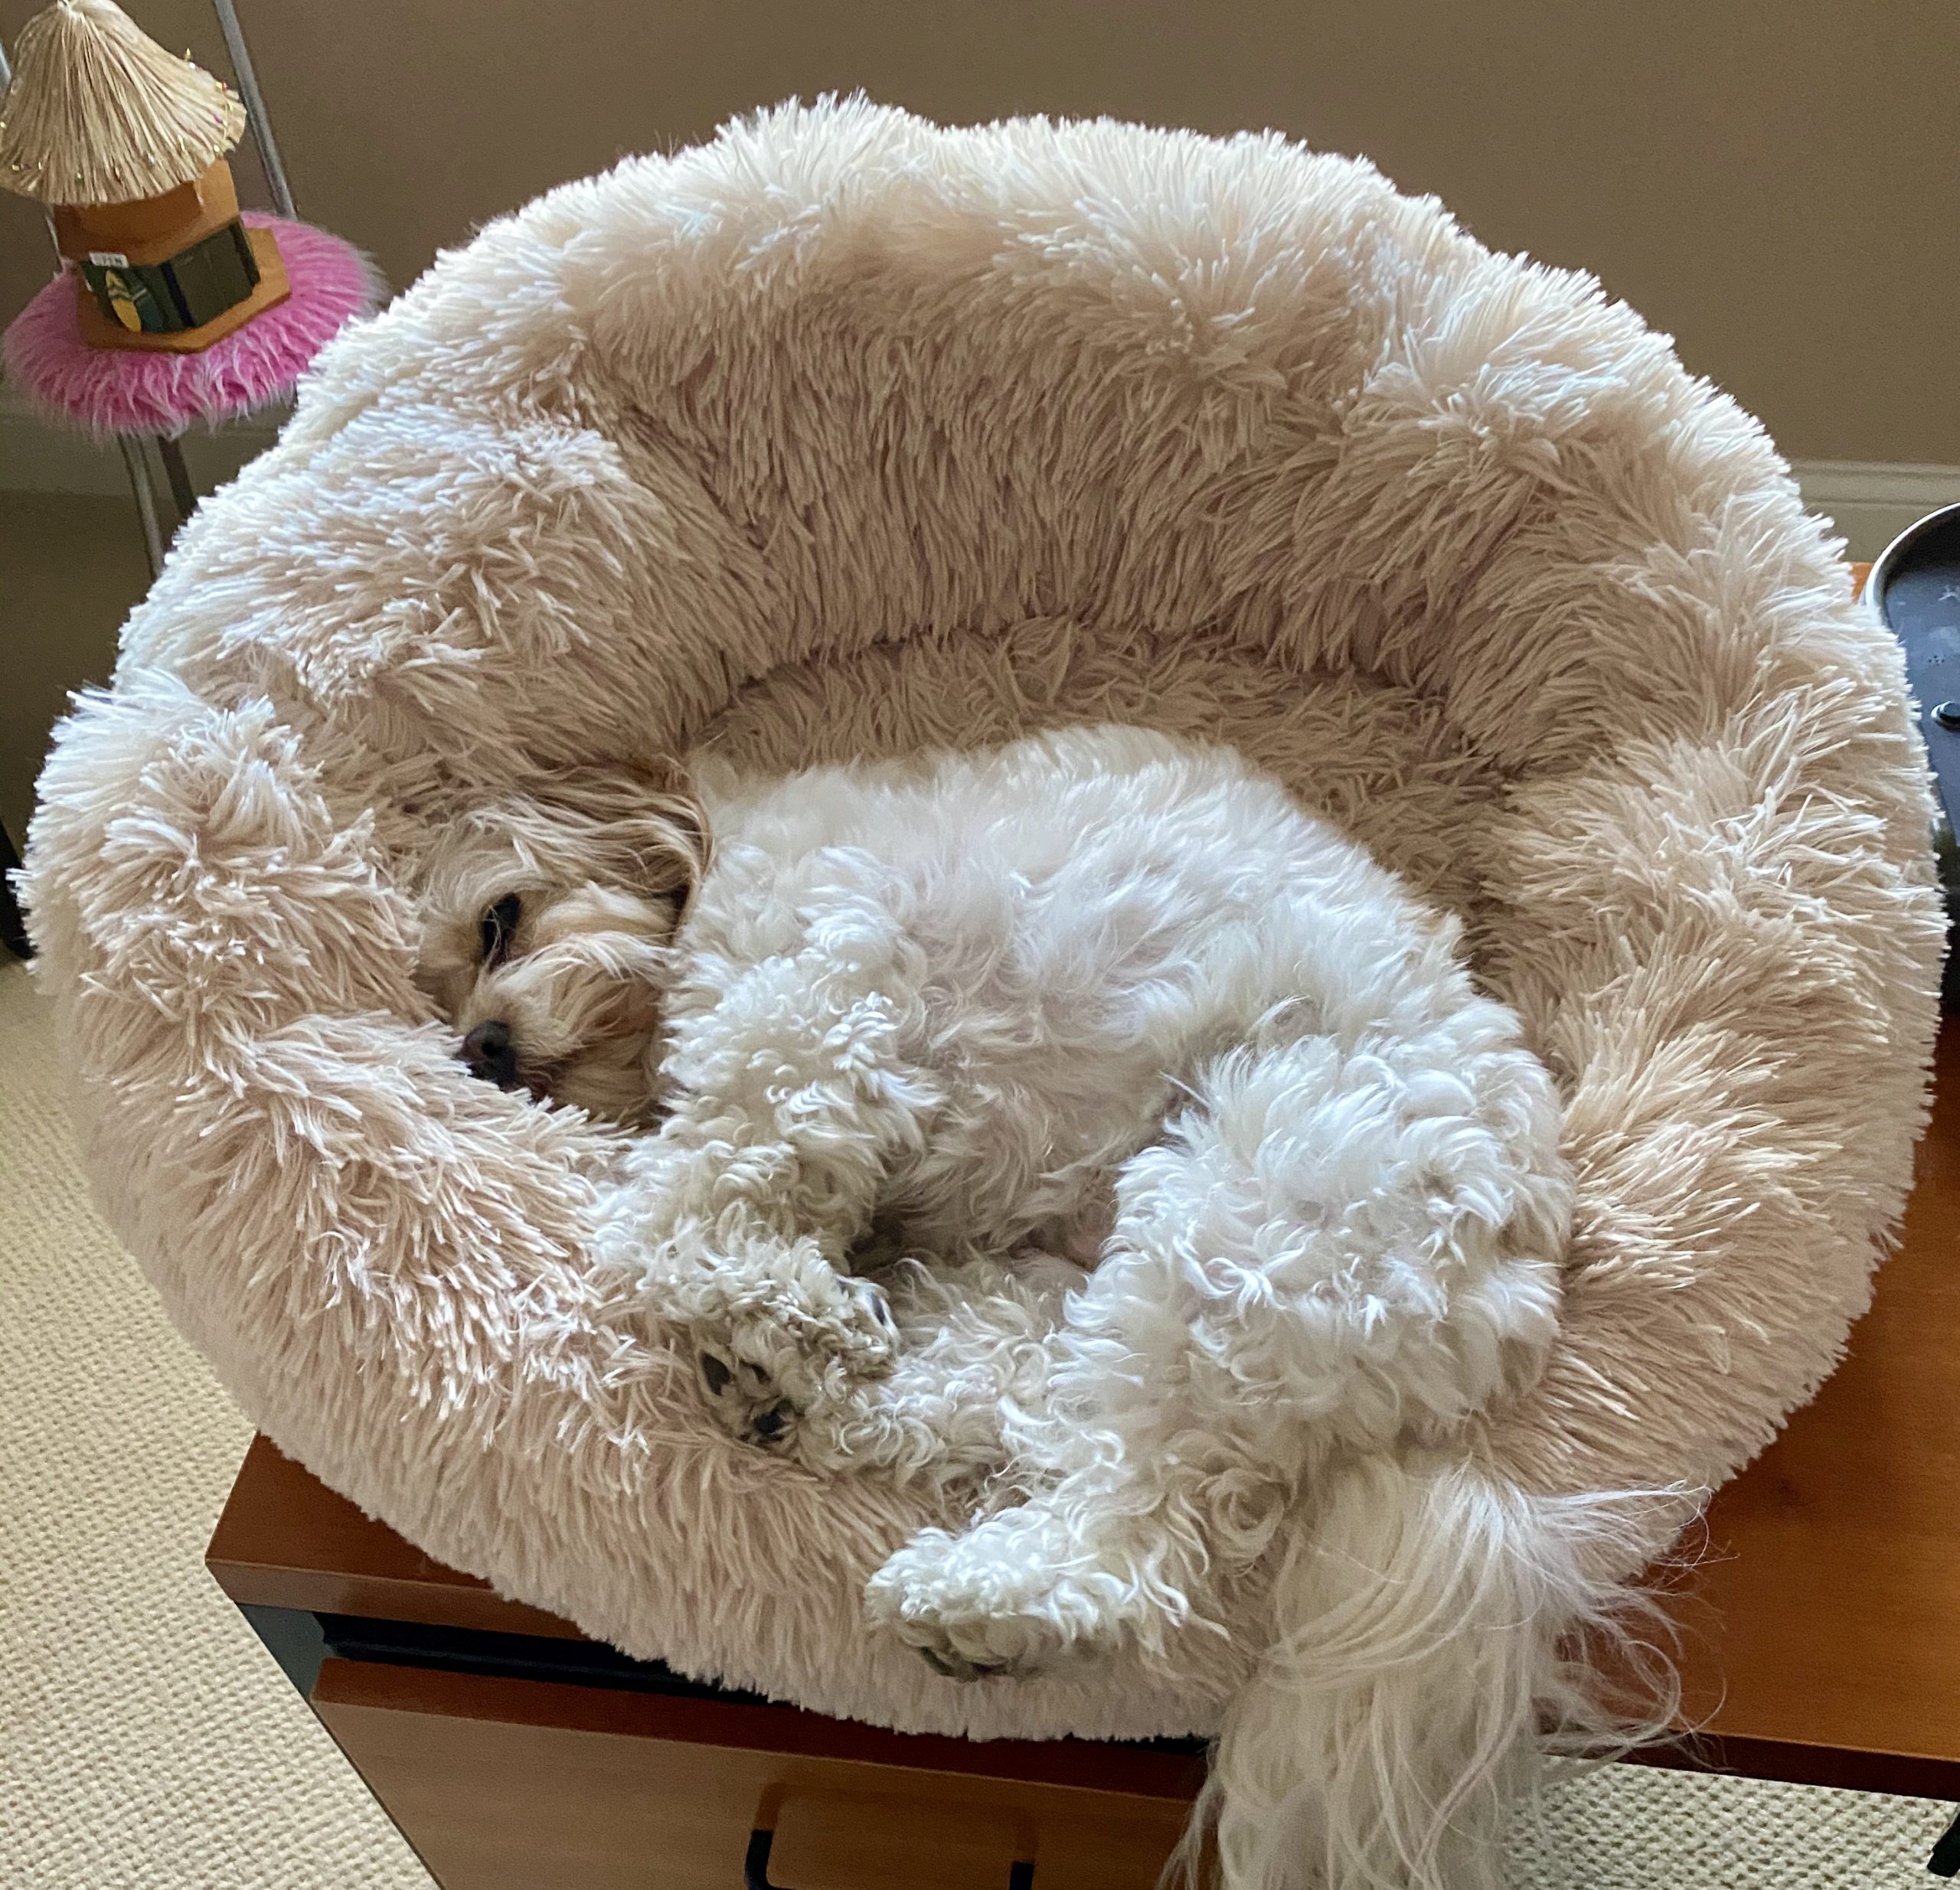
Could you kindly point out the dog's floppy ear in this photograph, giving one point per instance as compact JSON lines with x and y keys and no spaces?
{"x":628,"y":823}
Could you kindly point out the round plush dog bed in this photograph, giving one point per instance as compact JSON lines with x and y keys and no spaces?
{"x":845,"y":434}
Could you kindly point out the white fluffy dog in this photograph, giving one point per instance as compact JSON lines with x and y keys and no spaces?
{"x":1103,"y":1007}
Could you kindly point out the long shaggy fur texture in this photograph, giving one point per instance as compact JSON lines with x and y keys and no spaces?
{"x":1434,"y":1621}
{"x":846,"y":435}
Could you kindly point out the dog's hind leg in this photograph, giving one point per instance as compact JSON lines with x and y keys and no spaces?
{"x":1339,"y":1248}
{"x":971,"y":1344}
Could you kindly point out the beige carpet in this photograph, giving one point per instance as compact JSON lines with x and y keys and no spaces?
{"x":148,"y":1743}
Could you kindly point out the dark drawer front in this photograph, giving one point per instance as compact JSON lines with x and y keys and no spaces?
{"x":516,"y":1784}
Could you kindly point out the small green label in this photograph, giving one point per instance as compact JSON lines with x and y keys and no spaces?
{"x":126,"y":298}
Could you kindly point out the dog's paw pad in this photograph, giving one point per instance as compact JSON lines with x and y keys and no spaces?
{"x":771,"y":1428}
{"x":745,"y":1400}
{"x":953,"y":1666}
{"x":991,"y":1603}
{"x":989,"y":1647}
{"x":874,"y":1329}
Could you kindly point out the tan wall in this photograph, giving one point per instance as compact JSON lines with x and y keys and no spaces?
{"x":1773,"y":181}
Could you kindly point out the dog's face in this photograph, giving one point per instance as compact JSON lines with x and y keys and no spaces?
{"x":548,"y":921}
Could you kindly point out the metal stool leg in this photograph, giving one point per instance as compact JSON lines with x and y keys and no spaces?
{"x":146,"y":496}
{"x":183,"y":493}
{"x":243,"y":71}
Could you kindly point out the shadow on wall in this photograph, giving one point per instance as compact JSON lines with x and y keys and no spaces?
{"x":71,"y":565}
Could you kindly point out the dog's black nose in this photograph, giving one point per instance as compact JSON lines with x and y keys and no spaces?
{"x":491,"y":1053}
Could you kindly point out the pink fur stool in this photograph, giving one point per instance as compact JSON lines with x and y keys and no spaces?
{"x":126,"y":395}
{"x":110,"y":391}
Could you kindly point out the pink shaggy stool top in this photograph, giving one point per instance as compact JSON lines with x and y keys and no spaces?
{"x":119,"y":390}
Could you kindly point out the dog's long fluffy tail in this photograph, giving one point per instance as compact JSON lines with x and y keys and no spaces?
{"x":1432,"y":1620}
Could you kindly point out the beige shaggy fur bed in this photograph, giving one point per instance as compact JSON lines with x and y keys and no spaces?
{"x":845,"y":434}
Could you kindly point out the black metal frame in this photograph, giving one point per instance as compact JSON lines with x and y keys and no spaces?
{"x":755,"y":1865}
{"x":1945,"y":1860}
{"x":300,"y":1639}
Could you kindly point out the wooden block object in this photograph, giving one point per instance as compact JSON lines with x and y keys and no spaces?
{"x":149,"y":229}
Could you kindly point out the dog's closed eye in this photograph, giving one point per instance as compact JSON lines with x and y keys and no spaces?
{"x":497,"y":927}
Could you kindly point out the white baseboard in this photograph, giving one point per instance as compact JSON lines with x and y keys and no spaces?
{"x":1871,"y":502}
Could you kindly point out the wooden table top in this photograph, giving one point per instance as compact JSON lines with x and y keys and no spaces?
{"x":1824,"y":1617}
{"x":1822,"y":1627}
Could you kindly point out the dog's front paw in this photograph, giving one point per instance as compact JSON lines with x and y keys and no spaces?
{"x":1002,"y":1599}
{"x":782,"y":1372}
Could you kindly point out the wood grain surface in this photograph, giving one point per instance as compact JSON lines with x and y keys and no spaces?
{"x":503,"y":1784}
{"x":1825,"y":1614}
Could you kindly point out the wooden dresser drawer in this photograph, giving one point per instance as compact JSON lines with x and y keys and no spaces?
{"x":519,"y":1784}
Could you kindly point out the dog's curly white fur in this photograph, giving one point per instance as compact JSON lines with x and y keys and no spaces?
{"x":1099,"y":1002}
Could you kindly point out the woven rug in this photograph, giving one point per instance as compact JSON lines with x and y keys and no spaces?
{"x":148,"y":1743}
